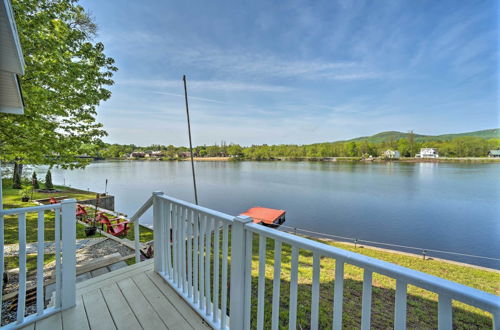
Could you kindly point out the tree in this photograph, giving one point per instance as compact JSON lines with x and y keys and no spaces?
{"x":48,"y":180}
{"x":34,"y":181}
{"x":16,"y":178}
{"x":66,"y":73}
{"x":411,"y":143}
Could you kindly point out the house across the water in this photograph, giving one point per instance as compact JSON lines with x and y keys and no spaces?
{"x":428,"y":153}
{"x":393,"y":154}
{"x":494,"y":153}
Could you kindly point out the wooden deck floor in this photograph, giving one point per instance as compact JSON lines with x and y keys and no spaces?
{"x":133,"y":297}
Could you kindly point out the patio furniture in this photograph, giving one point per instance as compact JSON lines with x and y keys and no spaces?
{"x":120,"y":228}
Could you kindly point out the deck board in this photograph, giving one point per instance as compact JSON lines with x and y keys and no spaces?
{"x":97,"y":312}
{"x":122,"y":314}
{"x":53,"y":322}
{"x":168,"y":313}
{"x":146,"y":314}
{"x":184,"y":308}
{"x":132,"y":297}
{"x":75,"y":318}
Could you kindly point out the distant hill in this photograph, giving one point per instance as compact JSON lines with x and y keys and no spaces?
{"x":395,"y":135}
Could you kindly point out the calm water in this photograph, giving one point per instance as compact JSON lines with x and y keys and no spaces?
{"x":452,"y":207}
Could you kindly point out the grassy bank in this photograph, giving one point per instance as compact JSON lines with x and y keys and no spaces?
{"x":12,"y":199}
{"x":422,"y":304}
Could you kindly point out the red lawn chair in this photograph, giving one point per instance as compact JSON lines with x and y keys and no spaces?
{"x":53,"y":200}
{"x":120,"y":228}
{"x":81,"y":213}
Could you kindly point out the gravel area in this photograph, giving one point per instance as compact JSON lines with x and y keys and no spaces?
{"x":49,"y":247}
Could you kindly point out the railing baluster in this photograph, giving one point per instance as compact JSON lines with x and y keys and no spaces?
{"x":169,"y":238}
{"x":225,"y":244}
{"x":57,"y":242}
{"x":248,"y":279}
{"x":366,"y":308}
{"x":203,"y":221}
{"x":39,"y":263}
{"x":400,"y":305}
{"x":315,"y":291}
{"x":208,"y":241}
{"x":338,"y":294}
{"x":276,"y":285}
{"x":179,"y":246}
{"x":196,"y":256}
{"x":292,"y":312}
{"x":189,"y":243}
{"x":158,"y":242}
{"x":68,"y":253}
{"x":183,"y":248}
{"x":262,"y":282}
{"x":137,"y":244}
{"x":216,"y":271}
{"x":445,"y":315}
{"x":174,"y":243}
{"x":166,"y":240}
{"x":21,"y":296}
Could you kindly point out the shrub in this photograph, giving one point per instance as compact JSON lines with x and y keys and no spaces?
{"x":48,"y":180}
{"x":34,"y":181}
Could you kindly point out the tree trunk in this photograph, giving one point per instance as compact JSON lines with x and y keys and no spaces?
{"x":17,"y":175}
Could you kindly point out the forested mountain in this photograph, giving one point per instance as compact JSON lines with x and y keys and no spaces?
{"x":395,"y":135}
{"x":472,"y":144}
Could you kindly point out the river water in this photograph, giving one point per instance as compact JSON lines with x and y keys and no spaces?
{"x":441,"y":206}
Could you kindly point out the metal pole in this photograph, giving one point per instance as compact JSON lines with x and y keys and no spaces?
{"x":190,"y":143}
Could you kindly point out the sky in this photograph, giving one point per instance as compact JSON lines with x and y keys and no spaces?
{"x":280,"y":72}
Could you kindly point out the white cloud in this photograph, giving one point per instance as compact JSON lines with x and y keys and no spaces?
{"x":206,"y":85}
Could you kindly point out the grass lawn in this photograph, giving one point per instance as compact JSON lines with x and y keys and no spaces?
{"x":422,"y":304}
{"x":12,"y":262}
{"x":12,"y":199}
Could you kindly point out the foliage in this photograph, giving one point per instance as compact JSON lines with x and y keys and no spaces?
{"x":34,"y":181}
{"x":408,"y":146}
{"x":48,"y":180}
{"x":66,"y":75}
{"x":26,"y":192}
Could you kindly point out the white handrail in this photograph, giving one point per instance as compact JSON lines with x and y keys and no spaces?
{"x":466,"y":294}
{"x":188,"y":248}
{"x":135,"y":220}
{"x":65,"y":233}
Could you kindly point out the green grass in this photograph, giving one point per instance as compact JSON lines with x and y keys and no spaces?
{"x":422,"y":304}
{"x":12,"y":199}
{"x":12,"y":262}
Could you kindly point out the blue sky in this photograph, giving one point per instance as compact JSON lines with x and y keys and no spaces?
{"x":297,"y":71}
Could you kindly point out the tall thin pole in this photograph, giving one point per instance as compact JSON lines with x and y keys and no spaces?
{"x":190,"y":143}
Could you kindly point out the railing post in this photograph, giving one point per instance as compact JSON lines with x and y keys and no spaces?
{"x":159,"y":235}
{"x":68,"y":278}
{"x":237,"y":282}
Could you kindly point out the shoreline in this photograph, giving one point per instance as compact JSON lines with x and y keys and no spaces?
{"x":475,"y":160}
{"x":409,"y":254}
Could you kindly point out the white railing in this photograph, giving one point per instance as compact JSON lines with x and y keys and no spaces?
{"x":191,"y":256}
{"x":65,"y":258}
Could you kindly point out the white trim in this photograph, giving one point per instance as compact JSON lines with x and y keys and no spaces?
{"x":15,"y":35}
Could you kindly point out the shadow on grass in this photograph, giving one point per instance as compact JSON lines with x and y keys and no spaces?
{"x":421,"y":311}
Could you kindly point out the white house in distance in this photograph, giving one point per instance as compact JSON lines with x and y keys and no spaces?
{"x":428,"y":153}
{"x":392,"y":154}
